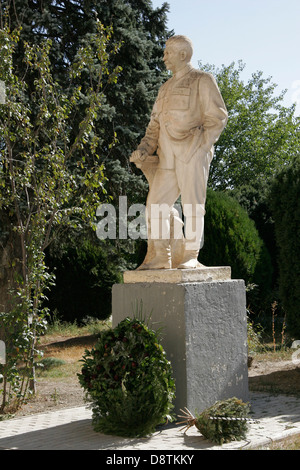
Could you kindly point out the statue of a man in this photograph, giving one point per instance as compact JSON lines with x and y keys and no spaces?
{"x":188,"y":117}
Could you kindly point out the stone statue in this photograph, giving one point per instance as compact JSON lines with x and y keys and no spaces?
{"x":187,"y":119}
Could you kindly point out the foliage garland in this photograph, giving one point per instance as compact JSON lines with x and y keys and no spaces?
{"x":223,"y":422}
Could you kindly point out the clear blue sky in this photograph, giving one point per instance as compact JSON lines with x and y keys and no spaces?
{"x":264,"y":34}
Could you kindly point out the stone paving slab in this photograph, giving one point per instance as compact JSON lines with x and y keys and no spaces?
{"x":71,"y":429}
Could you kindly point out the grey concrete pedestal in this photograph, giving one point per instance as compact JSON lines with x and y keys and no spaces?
{"x":204,"y":334}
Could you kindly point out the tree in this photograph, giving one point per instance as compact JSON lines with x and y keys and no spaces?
{"x":126,"y":109}
{"x":261,"y":137}
{"x":285,"y":205}
{"x":261,"y":134}
{"x":231,"y":239}
{"x":126,"y":106}
{"x":44,"y":187}
{"x":85,"y":272}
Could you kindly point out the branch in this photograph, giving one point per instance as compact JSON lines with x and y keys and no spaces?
{"x":17,"y":208}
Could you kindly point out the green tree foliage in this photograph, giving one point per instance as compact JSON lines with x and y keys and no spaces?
{"x":261,"y":134}
{"x":285,"y":200}
{"x":255,"y":199}
{"x":231,"y":239}
{"x":261,"y":137}
{"x":43,"y":189}
{"x":84,"y":274}
{"x":141,"y":30}
{"x":126,"y":105}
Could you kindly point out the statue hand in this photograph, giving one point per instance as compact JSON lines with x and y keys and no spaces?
{"x":138,"y":156}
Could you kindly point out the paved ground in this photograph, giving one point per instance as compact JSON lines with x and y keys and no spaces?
{"x":71,"y":429}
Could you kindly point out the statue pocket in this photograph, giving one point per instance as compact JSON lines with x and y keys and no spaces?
{"x":180,"y":99}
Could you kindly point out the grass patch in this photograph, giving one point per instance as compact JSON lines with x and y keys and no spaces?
{"x":62,"y":361}
{"x":60,"y":329}
{"x":267,"y":353}
{"x":63,"y":371}
{"x":289,"y":443}
{"x":50,"y":362}
{"x":57,"y":368}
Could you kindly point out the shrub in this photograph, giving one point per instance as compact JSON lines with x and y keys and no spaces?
{"x":285,"y":203}
{"x":85,"y":273}
{"x":231,"y":239}
{"x":48,"y":363}
{"x":255,"y":199}
{"x":128,"y":380}
{"x":254,"y":337}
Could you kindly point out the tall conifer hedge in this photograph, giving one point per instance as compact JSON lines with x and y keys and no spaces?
{"x":285,"y":202}
{"x":231,"y":239}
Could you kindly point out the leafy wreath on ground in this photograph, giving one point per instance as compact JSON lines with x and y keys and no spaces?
{"x":225,"y":421}
{"x":128,"y":381}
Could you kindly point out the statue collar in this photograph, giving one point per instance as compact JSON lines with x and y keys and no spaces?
{"x":183,"y":72}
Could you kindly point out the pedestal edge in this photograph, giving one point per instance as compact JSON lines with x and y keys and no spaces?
{"x":178,"y":276}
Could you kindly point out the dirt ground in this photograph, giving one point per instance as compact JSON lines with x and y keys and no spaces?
{"x":56,"y":393}
{"x":282,"y":377}
{"x":278,"y":377}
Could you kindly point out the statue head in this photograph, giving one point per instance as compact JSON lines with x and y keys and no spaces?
{"x":178,"y":52}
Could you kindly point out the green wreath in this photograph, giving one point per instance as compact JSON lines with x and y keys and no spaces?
{"x":128,"y":380}
{"x":225,"y":421}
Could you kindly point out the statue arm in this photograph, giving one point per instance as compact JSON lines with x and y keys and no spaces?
{"x":213,"y":111}
{"x":149,"y":142}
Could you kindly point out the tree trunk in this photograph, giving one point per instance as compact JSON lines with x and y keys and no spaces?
{"x":10,"y":265}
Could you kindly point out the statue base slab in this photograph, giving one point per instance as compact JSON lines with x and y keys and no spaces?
{"x":178,"y":276}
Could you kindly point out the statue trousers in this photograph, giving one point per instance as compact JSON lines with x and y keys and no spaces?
{"x":188,"y":180}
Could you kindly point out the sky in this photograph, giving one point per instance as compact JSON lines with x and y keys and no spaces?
{"x":264,"y":34}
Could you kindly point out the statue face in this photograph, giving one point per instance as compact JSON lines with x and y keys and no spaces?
{"x":174,"y":58}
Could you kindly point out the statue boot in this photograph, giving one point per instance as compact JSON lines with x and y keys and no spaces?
{"x":194,"y":240}
{"x":190,"y":260}
{"x":162,"y":258}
